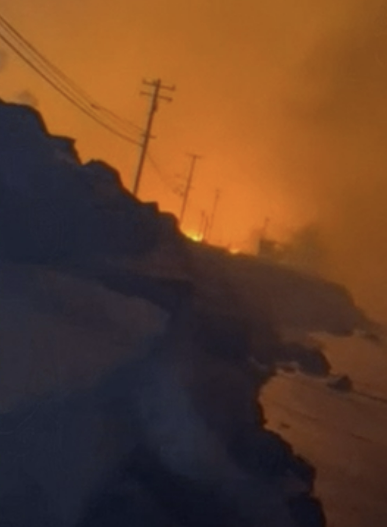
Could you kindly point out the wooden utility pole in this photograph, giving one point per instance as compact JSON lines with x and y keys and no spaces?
{"x":194,"y":158}
{"x":202,"y":224}
{"x":214,"y":209}
{"x":206,"y":227}
{"x":155,"y":96}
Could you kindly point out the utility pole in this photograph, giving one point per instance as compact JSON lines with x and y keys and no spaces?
{"x":206,"y":227}
{"x":194,"y":158}
{"x":202,"y":224}
{"x":214,"y":209}
{"x":155,"y":96}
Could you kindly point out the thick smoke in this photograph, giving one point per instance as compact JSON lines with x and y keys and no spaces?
{"x":286,"y":101}
{"x":333,"y":149}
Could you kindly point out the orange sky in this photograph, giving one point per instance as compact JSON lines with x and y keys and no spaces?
{"x":286,"y":101}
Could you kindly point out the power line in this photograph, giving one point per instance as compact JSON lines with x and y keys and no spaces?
{"x":70,"y":83}
{"x":64,"y":92}
{"x":164,"y":177}
{"x":117,"y":117}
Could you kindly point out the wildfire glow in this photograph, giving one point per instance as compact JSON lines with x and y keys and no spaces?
{"x":194,"y":236}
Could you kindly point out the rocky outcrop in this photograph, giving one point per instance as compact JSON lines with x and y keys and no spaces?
{"x":53,"y":208}
{"x":129,"y":382}
{"x":110,"y":408}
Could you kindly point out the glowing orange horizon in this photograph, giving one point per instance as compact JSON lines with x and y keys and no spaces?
{"x":194,"y":236}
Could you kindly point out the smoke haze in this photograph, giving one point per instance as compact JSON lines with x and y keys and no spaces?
{"x":286,"y":101}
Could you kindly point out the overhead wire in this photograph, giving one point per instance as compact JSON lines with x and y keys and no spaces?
{"x":164,"y":177}
{"x":60,"y":82}
{"x":117,"y":117}
{"x":65,"y":78}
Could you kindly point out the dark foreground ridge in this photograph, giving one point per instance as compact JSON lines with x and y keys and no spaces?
{"x":131,"y":359}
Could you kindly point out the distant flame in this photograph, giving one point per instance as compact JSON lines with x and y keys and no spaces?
{"x":199,"y":238}
{"x":194,"y":236}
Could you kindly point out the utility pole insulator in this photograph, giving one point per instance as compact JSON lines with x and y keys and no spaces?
{"x":155,"y":97}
